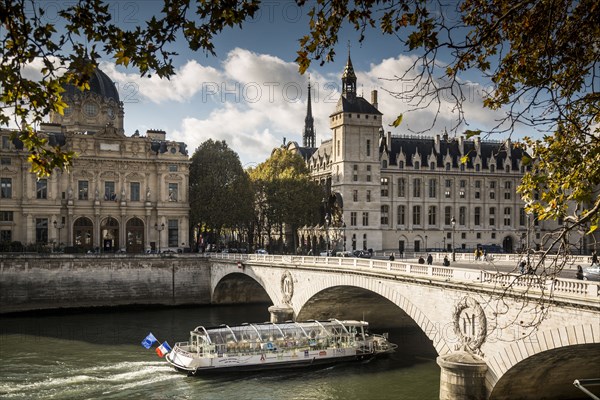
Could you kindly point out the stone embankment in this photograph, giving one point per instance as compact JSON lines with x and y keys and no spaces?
{"x":37,"y":282}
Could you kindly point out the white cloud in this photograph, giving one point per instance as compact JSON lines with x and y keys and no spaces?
{"x":260,"y":101}
{"x":187,"y":82}
{"x":253,"y":101}
{"x":418,"y":117}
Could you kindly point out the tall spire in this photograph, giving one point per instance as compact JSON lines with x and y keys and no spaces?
{"x":349,"y":79}
{"x":308,"y":137}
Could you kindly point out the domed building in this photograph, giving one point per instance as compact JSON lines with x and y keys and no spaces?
{"x":123,"y":193}
{"x":93,"y":109}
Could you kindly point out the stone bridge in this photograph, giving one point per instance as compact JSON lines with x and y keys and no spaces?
{"x":497,"y":336}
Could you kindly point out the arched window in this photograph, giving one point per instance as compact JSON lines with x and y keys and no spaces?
{"x":83,"y":233}
{"x":135,"y":235}
{"x":109,"y":231}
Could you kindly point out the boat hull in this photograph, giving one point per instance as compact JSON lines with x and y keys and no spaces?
{"x":264,"y":362}
{"x":285,"y":365}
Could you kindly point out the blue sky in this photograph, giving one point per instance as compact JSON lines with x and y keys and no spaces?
{"x":251,"y":94}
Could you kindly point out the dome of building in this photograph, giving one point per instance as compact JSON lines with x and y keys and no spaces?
{"x":100,"y":84}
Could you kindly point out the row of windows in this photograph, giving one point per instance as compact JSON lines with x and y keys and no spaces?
{"x":432,"y":216}
{"x":432,"y":188}
{"x":41,"y":190}
{"x":448,"y":166}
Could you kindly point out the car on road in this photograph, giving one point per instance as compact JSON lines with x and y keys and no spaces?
{"x":591,"y":273}
{"x":362,"y":254}
{"x":261,"y":251}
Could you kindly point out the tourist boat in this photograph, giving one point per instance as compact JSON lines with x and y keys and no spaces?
{"x":252,"y":347}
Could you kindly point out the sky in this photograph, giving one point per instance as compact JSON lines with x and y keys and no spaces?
{"x":251,"y":94}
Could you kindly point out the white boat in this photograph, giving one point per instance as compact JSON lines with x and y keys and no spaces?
{"x":251,"y":347}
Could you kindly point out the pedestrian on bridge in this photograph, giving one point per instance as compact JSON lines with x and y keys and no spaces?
{"x":429,"y":259}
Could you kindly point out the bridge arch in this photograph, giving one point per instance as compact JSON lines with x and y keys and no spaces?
{"x":545,"y":365}
{"x":373,"y":285}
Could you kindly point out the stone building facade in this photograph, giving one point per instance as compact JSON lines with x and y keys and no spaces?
{"x":413,"y":193}
{"x":123,"y":193}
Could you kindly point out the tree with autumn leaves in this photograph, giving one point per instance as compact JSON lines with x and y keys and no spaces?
{"x":286,"y":198}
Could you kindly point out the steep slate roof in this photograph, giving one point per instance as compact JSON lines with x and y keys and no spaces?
{"x":355,"y":105}
{"x":426,"y":145}
{"x":306,"y":152}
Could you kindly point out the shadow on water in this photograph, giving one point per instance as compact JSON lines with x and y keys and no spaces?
{"x":125,"y":325}
{"x":122,"y":325}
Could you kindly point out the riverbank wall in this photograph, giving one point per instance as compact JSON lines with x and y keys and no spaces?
{"x":41,"y":282}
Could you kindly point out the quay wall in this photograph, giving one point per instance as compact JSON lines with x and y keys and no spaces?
{"x":35,"y":282}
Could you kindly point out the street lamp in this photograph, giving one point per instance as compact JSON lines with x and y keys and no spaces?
{"x":59,"y":226}
{"x":425,"y":243}
{"x":159,"y":229}
{"x":453,"y":222}
{"x":344,"y":226}
{"x":327,"y":221}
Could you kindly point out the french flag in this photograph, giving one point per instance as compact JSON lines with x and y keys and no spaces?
{"x":163,"y":349}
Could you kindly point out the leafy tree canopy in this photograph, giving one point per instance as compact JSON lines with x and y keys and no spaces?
{"x":220,"y":191}
{"x":290,"y":195}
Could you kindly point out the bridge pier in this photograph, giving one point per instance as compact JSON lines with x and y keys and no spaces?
{"x":281,"y":313}
{"x":462,"y":377}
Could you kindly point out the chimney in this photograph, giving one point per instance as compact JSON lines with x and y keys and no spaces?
{"x":156,"y":134}
{"x":389,"y":141}
{"x":436,"y":144}
{"x":374,"y":98}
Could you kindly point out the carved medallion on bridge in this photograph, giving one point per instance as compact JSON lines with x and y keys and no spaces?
{"x":287,"y":287}
{"x":470,"y":325}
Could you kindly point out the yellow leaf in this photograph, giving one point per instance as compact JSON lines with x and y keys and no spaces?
{"x":397,"y":122}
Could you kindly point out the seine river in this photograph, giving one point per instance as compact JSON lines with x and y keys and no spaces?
{"x":97,"y":355}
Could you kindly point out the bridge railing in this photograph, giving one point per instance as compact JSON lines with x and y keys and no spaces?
{"x":563,"y":287}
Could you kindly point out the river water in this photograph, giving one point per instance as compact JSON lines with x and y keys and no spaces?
{"x":97,"y":355}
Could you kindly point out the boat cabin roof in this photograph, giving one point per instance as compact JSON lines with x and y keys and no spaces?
{"x":269,"y":332}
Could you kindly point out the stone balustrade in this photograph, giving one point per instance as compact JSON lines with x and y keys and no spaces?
{"x":563,"y":289}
